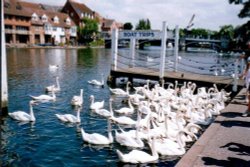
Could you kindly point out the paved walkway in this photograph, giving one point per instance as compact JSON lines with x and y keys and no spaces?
{"x":226,"y":142}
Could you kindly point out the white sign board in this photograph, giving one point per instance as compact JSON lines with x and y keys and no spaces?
{"x":140,"y":34}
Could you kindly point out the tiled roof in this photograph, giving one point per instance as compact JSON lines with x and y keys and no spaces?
{"x":28,"y":8}
{"x":80,"y":8}
{"x":14,"y":7}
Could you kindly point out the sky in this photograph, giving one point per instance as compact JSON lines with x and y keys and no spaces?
{"x":209,"y":14}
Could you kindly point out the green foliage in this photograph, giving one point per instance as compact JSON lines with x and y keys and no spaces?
{"x":227,"y":31}
{"x":127,"y":26}
{"x":98,"y":42}
{"x":143,"y":25}
{"x":245,"y":11}
{"x":87,"y":33}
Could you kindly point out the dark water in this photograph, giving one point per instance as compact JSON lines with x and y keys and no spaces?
{"x":49,"y":142}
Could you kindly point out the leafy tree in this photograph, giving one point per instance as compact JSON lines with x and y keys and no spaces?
{"x":143,"y":25}
{"x":87,"y":32}
{"x":245,"y":11}
{"x":127,"y":26}
{"x":227,"y":31}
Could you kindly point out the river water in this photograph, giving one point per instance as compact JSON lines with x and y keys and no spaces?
{"x":49,"y":142}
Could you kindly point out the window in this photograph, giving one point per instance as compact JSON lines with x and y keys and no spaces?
{"x":68,"y":21}
{"x":54,"y":28}
{"x":56,"y":19}
{"x":34,"y":17}
{"x":44,"y":18}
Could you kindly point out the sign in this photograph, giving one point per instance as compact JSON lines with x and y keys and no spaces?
{"x":140,"y":34}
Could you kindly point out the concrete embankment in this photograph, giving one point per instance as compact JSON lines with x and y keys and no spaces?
{"x":226,"y":142}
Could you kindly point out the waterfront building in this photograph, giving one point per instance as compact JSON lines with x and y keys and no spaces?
{"x":31,"y":23}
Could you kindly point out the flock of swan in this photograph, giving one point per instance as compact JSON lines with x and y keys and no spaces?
{"x":167,"y":118}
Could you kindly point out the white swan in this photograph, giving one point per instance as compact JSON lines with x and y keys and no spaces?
{"x":118,"y":91}
{"x":53,"y":67}
{"x":77,"y":100}
{"x":23,"y":116}
{"x":53,"y":87}
{"x":126,"y":110}
{"x":69,"y":117}
{"x":96,"y":138}
{"x":45,"y":97}
{"x":104,"y":112}
{"x":138,"y":156}
{"x":95,"y":105}
{"x":97,"y":83}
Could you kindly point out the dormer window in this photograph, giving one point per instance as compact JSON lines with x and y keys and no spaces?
{"x":68,"y":21}
{"x":56,"y":19}
{"x":44,"y":18}
{"x":34,"y":17}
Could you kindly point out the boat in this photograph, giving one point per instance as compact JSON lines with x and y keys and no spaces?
{"x":156,"y":48}
{"x":203,"y":50}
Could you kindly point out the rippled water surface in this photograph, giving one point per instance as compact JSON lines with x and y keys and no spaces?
{"x":49,"y":142}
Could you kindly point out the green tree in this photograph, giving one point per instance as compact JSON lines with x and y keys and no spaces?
{"x":245,"y":11}
{"x":227,"y":31}
{"x":87,"y":33}
{"x":143,"y":25}
{"x":127,"y":26}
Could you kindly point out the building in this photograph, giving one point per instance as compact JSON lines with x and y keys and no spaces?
{"x":78,"y":11}
{"x":31,"y":23}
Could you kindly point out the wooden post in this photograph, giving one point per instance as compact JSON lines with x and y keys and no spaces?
{"x":163,"y":50}
{"x":4,"y":87}
{"x":114,"y":49}
{"x":132,"y":51}
{"x":176,"y":47}
{"x":235,"y":85}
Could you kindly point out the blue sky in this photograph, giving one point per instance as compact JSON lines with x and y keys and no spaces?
{"x":209,"y":14}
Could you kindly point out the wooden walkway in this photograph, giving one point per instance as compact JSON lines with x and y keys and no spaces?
{"x":170,"y":76}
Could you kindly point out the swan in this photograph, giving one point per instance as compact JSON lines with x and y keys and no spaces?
{"x":95,"y":105}
{"x":53,"y":87}
{"x":104,"y":112}
{"x":23,"y":116}
{"x":53,"y":67}
{"x":138,"y":156}
{"x":97,"y":83}
{"x":69,"y":117}
{"x":126,"y":110}
{"x":118,"y":91}
{"x":169,"y":147}
{"x":45,"y":97}
{"x":96,"y":138}
{"x":122,"y":119}
{"x":128,"y":139}
{"x":77,"y":100}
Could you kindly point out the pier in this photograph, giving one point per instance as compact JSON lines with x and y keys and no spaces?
{"x":165,"y":68}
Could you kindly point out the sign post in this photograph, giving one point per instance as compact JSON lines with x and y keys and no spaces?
{"x":163,"y":50}
{"x":176,"y":47}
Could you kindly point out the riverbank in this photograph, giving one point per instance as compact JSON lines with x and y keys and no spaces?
{"x":50,"y":47}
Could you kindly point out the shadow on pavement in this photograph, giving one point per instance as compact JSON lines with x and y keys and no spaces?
{"x":230,"y":162}
{"x":237,"y":147}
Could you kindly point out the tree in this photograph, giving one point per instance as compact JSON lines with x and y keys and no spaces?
{"x":87,"y":32}
{"x":245,"y":11}
{"x":127,"y":26}
{"x":227,"y":31}
{"x":143,"y":25}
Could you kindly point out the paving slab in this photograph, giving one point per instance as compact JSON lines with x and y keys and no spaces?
{"x":226,"y":142}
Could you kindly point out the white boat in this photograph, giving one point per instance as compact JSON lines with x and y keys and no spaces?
{"x":203,"y":50}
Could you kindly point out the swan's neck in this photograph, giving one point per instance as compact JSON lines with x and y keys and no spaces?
{"x":130,"y":105}
{"x":153,"y":150}
{"x":57,"y":82}
{"x":110,"y":131}
{"x":32,"y":116}
{"x":78,"y":116}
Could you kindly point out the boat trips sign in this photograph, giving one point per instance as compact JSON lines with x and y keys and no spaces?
{"x":146,"y":34}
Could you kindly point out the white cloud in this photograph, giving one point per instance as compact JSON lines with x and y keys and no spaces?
{"x":209,"y":14}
